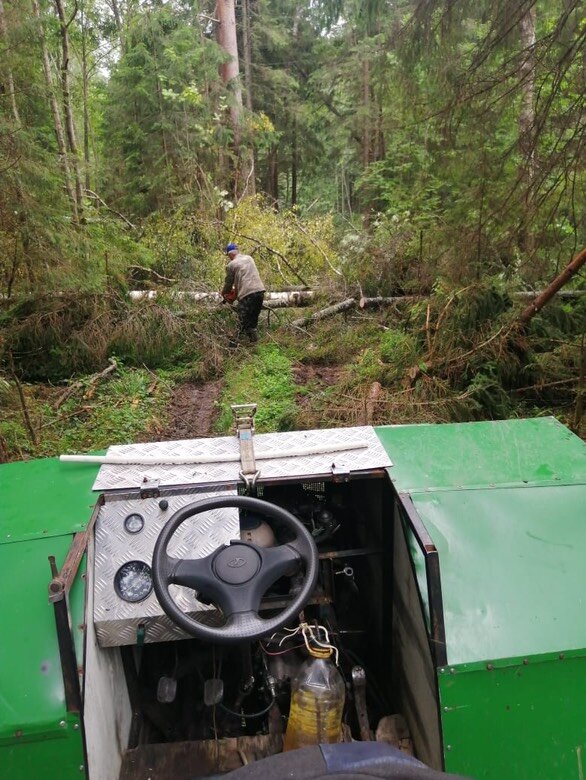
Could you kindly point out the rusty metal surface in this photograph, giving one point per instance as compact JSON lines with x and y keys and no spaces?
{"x":117,"y":621}
{"x":372,"y":456}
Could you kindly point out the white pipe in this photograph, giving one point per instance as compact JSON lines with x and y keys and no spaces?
{"x":153,"y":460}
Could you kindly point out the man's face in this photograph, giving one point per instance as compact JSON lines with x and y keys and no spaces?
{"x":232,"y":254}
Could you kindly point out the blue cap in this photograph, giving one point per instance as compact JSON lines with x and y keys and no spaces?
{"x":231,"y":248}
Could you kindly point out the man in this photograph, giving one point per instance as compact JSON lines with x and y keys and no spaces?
{"x":243,"y":282}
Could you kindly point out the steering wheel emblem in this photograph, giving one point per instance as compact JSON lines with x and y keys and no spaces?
{"x":236,"y":563}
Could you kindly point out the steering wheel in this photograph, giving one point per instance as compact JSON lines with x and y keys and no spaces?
{"x":235,"y":576}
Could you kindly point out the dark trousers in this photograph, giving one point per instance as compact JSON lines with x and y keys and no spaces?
{"x":248,"y":311}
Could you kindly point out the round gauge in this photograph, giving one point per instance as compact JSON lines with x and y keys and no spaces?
{"x":134,"y":523}
{"x":133,"y":581}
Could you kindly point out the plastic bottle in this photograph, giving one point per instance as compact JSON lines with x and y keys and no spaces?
{"x":318,"y":694}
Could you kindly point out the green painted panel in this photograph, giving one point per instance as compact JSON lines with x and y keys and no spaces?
{"x":42,"y":498}
{"x":521,"y":721}
{"x":469,"y":455}
{"x":51,"y":759}
{"x":32,"y":702}
{"x":512,"y":569}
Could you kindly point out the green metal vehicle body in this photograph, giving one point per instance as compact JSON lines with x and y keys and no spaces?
{"x":494,"y":515}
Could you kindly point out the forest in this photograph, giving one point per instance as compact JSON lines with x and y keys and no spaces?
{"x":411,"y":172}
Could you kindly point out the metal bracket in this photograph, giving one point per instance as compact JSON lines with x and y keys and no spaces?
{"x":341,"y":469}
{"x":150,"y":488}
{"x":244,"y":422}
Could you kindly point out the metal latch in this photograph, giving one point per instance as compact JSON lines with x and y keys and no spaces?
{"x":244,"y":421}
{"x":150,"y":488}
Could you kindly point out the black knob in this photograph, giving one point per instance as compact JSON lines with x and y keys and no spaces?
{"x":164,"y":504}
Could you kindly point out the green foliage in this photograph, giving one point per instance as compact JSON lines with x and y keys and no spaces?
{"x":398,"y":348}
{"x":264,"y":378}
{"x":120,"y":409}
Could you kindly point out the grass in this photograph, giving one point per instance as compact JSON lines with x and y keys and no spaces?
{"x":117,"y":411}
{"x":265,"y":378}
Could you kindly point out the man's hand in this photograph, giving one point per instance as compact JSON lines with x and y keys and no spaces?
{"x":230,"y":296}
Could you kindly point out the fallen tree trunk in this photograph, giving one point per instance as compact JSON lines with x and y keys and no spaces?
{"x":379,"y":301}
{"x":323,"y":314}
{"x":291,"y":298}
{"x":429,"y":365}
{"x":375,"y":303}
{"x":561,"y":279}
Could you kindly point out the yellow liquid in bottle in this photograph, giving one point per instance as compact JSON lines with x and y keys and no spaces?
{"x":316,"y":710}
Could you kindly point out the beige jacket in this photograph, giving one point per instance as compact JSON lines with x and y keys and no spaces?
{"x":241,"y":273}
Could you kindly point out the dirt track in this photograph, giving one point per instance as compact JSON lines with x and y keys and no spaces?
{"x":192,"y":411}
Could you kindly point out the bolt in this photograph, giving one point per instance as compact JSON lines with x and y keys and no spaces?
{"x":490,"y":667}
{"x":76,"y":726}
{"x":442,"y":671}
{"x":562,"y":656}
{"x":525,"y":661}
{"x":448,"y":747}
{"x":446,"y":709}
{"x":62,"y":724}
{"x":452,"y":671}
{"x":81,"y":768}
{"x":18,"y":733}
{"x":164,"y":504}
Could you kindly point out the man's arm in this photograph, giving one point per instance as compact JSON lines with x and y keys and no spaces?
{"x":229,"y":279}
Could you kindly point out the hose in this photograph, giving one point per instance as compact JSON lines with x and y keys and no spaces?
{"x":246,"y":715}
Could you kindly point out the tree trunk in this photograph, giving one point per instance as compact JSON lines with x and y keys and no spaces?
{"x":294,"y":162}
{"x":69,"y":123}
{"x":85,"y":87}
{"x":247,"y":49}
{"x":273,"y":175}
{"x":230,"y":71}
{"x":8,"y":69}
{"x":118,"y":22}
{"x":366,"y":112}
{"x":58,"y":124}
{"x":527,"y":125}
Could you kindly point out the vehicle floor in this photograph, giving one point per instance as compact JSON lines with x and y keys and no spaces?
{"x":189,"y":760}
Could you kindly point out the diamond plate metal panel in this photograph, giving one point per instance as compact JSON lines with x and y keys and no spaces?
{"x":371,"y":456}
{"x":116,"y":620}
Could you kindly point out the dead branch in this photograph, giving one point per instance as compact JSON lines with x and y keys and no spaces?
{"x":318,"y":247}
{"x":95,"y":196}
{"x":323,"y":314}
{"x":427,"y":366}
{"x":23,"y":406}
{"x":277,"y":254}
{"x":89,"y":385}
{"x":151,"y":272}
